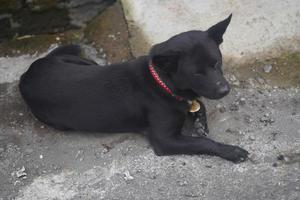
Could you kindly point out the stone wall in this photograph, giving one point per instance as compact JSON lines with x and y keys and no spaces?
{"x":24,"y":17}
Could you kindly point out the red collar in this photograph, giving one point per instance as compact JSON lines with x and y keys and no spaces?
{"x":157,"y":79}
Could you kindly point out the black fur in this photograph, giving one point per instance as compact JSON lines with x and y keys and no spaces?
{"x":68,"y":92}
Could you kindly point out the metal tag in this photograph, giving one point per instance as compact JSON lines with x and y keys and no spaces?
{"x":194,"y":106}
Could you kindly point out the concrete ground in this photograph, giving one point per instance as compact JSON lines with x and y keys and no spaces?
{"x":262,"y":116}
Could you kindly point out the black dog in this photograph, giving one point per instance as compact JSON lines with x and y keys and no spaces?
{"x":151,"y":93}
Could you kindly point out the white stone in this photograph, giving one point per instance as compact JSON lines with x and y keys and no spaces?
{"x":267,"y":68}
{"x":258,"y":27}
{"x":127,"y":176}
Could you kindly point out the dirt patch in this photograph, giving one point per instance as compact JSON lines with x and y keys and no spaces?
{"x":282,"y":71}
{"x":139,"y":42}
{"x":109,"y":32}
{"x":31,"y":44}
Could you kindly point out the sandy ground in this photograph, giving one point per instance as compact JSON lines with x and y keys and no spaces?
{"x":38,"y":162}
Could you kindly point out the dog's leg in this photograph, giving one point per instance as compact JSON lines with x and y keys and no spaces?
{"x":166,"y":139}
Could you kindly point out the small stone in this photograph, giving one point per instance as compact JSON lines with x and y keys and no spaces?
{"x":21,"y":114}
{"x":28,"y":151}
{"x":280,"y":157}
{"x":232,"y":78}
{"x":275,"y":165}
{"x":42,"y":126}
{"x":251,"y":82}
{"x":274,"y":135}
{"x":105,"y":150}
{"x":229,"y":130}
{"x":236,"y":83}
{"x":251,"y":137}
{"x":153,"y":175}
{"x":127,"y":176}
{"x":266,"y":119}
{"x":254,"y":158}
{"x":79,"y":152}
{"x":233,"y":107}
{"x":112,"y":36}
{"x":287,"y":159}
{"x":41,"y":156}
{"x":248,"y":119}
{"x":267,"y":68}
{"x":218,"y":105}
{"x":17,"y":182}
{"x":260,"y":80}
{"x":183,"y":183}
{"x":241,"y":132}
{"x":222,"y":109}
{"x":242,"y":101}
{"x":262,"y":119}
{"x":191,"y":194}
{"x":21,"y":173}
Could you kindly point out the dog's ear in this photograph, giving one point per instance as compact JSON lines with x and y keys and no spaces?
{"x":166,"y":60}
{"x":216,"y":31}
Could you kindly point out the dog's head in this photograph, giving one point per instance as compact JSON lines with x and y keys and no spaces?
{"x":193,"y":61}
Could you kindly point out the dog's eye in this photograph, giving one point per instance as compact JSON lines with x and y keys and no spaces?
{"x":216,"y":65}
{"x":200,"y":72}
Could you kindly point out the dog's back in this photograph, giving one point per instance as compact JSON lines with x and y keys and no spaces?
{"x":70,"y":92}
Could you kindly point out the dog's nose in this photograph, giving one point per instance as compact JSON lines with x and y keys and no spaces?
{"x":224,"y":90}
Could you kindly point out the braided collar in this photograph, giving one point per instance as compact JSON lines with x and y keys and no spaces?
{"x":158,"y":80}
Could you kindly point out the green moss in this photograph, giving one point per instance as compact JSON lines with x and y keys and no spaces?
{"x":285,"y":71}
{"x":31,"y":44}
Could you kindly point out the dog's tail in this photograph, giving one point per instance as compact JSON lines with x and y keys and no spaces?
{"x":70,"y":49}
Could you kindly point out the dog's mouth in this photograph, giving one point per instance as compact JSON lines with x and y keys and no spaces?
{"x":211,"y":95}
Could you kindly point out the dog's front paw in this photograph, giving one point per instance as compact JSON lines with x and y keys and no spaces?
{"x":234,"y":153}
